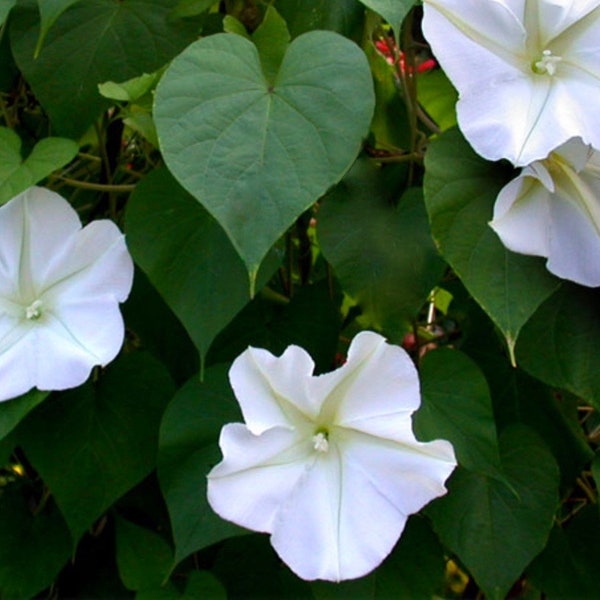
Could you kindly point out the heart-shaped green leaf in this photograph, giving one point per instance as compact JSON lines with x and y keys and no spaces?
{"x":559,"y":345}
{"x":16,"y":174}
{"x":457,"y":407}
{"x":103,"y":437}
{"x":187,"y":257}
{"x":256,"y":154}
{"x":460,"y":190}
{"x":518,"y":397}
{"x":143,"y":556}
{"x":187,"y":450}
{"x":383,"y":255}
{"x":496,"y":531}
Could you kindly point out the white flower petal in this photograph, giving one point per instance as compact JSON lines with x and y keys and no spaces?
{"x":520,"y":97}
{"x":60,"y":286}
{"x":96,"y":264}
{"x":95,"y":325}
{"x":575,"y":250}
{"x":521,"y":132}
{"x":522,"y":216}
{"x":33,"y":228}
{"x":333,"y":487}
{"x":475,"y":41}
{"x":55,"y":359}
{"x":571,"y":24}
{"x":407,"y":472}
{"x":47,"y":357}
{"x":347,"y":512}
{"x":563,"y":223}
{"x":577,"y":154}
{"x":257,"y":474}
{"x":377,"y":380}
{"x":575,"y":222}
{"x":17,"y":375}
{"x":572,"y":112}
{"x":272,"y":390}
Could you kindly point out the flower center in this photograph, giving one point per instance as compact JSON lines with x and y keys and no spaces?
{"x":321,"y":441}
{"x":34,"y":310}
{"x":547,"y":64}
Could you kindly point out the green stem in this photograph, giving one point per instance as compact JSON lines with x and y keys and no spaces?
{"x":97,"y":187}
{"x":407,"y":81}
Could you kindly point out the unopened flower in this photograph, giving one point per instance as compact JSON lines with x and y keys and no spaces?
{"x":527,"y":72}
{"x":328,"y":464}
{"x":552,"y":209}
{"x":60,"y":286}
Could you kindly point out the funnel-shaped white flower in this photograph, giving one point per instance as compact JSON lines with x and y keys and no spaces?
{"x":527,"y":72}
{"x":552,"y":209}
{"x":60,"y":286}
{"x":327,"y":464}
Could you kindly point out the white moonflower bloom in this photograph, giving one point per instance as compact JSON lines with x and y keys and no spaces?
{"x":552,"y":209}
{"x":527,"y":72}
{"x":328,"y":464}
{"x":60,"y":287}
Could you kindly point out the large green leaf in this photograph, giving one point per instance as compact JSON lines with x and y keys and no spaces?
{"x":33,"y":546}
{"x":187,"y":256}
{"x":94,"y":443}
{"x":91,"y":42}
{"x":457,"y":407}
{"x":460,"y":191}
{"x":383,"y":255}
{"x":16,"y":174}
{"x":143,"y":556}
{"x":559,"y":345}
{"x":496,"y":531}
{"x":518,"y":397}
{"x":256,"y":154}
{"x":187,"y":451}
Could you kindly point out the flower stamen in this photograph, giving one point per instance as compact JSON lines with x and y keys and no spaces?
{"x":34,"y":310}
{"x":320,"y":441}
{"x":547,"y":64}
